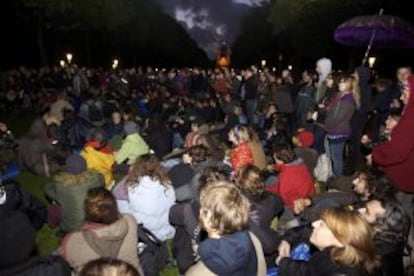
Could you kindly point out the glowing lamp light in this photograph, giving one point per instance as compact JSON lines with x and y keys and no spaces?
{"x":274,"y":69}
{"x":290,"y":67}
{"x":115,"y":63}
{"x":62,"y":63}
{"x":69,"y":57}
{"x":371,"y":61}
{"x":263,"y":62}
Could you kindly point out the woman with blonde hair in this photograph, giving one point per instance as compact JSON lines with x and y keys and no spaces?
{"x":241,"y":154}
{"x":150,"y":196}
{"x":345,"y":245}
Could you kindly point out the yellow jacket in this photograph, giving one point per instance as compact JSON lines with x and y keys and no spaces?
{"x":99,"y":161}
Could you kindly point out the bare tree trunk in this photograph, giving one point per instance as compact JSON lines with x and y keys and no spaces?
{"x":40,"y":41}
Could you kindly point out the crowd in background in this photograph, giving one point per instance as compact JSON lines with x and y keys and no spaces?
{"x":246,"y":171}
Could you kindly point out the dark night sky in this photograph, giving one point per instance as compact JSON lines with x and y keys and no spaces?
{"x":209,"y":22}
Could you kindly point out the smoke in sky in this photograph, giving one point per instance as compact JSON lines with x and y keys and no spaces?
{"x":210,"y":22}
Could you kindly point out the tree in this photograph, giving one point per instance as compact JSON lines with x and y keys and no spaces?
{"x":103,"y":16}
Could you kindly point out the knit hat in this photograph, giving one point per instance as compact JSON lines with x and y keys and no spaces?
{"x":180,"y":174}
{"x":75,"y":164}
{"x":306,"y":138}
{"x":131,"y":128}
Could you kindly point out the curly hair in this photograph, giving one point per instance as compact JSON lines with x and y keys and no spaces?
{"x":394,"y":225}
{"x":284,"y":152}
{"x":250,"y":181}
{"x":148,"y":165}
{"x":199,"y":153}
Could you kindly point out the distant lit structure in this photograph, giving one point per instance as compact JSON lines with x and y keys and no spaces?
{"x":223,"y":56}
{"x":371,"y":61}
{"x":115,"y":63}
{"x":69,"y":57}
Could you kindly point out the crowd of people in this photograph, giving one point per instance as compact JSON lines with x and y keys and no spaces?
{"x":238,"y":172}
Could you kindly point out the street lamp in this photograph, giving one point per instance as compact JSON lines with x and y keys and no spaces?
{"x":62,"y":63}
{"x":371,"y":61}
{"x":290,"y":67}
{"x":69,"y":57}
{"x":263,"y":63}
{"x":115,"y":63}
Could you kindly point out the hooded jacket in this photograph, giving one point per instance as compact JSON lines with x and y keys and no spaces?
{"x":70,"y":191}
{"x":396,"y":156}
{"x":99,"y":161}
{"x":133,"y":146}
{"x":117,"y":240}
{"x":237,"y":254}
{"x":325,"y":67}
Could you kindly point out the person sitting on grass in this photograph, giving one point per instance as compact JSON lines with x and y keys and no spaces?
{"x":229,"y":249}
{"x":344,"y":242}
{"x":133,"y":146}
{"x":106,"y":233}
{"x":294,"y":180}
{"x":68,"y":191}
{"x":98,"y":155}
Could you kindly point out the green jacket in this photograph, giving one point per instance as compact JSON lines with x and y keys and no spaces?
{"x":70,"y":192}
{"x":132,"y":147}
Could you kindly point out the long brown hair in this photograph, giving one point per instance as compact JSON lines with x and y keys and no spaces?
{"x":148,"y":165}
{"x":355,"y":235}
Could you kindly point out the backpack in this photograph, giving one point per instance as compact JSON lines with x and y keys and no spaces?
{"x":95,"y":114}
{"x":51,"y":265}
{"x":153,"y":253}
{"x":323,"y":170}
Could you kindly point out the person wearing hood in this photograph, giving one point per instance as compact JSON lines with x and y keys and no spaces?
{"x":229,"y":249}
{"x":69,"y":190}
{"x":323,"y":68}
{"x":105,"y":234}
{"x":133,"y":145}
{"x":360,"y":117}
{"x":99,"y":155}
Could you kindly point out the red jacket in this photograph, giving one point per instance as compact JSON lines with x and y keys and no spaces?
{"x":396,"y":157}
{"x":294,"y":182}
{"x":240,"y":156}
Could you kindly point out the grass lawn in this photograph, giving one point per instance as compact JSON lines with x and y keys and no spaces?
{"x":46,"y":239}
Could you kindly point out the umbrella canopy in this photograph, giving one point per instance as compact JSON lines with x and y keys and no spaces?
{"x":382,"y":31}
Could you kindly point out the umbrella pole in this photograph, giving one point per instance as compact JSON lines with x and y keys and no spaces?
{"x":371,"y":41}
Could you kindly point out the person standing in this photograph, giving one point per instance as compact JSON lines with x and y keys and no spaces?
{"x":250,"y":97}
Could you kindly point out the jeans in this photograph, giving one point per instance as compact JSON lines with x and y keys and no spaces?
{"x":336,"y":150}
{"x":250,"y":107}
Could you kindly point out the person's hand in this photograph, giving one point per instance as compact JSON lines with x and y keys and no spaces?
{"x":365,"y":139}
{"x":369,"y":159}
{"x":284,"y":249}
{"x":3,"y":127}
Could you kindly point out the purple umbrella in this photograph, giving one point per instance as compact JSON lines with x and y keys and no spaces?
{"x":379,"y":31}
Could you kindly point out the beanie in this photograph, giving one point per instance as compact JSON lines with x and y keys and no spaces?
{"x":306,"y":138}
{"x":75,"y":164}
{"x":131,"y":128}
